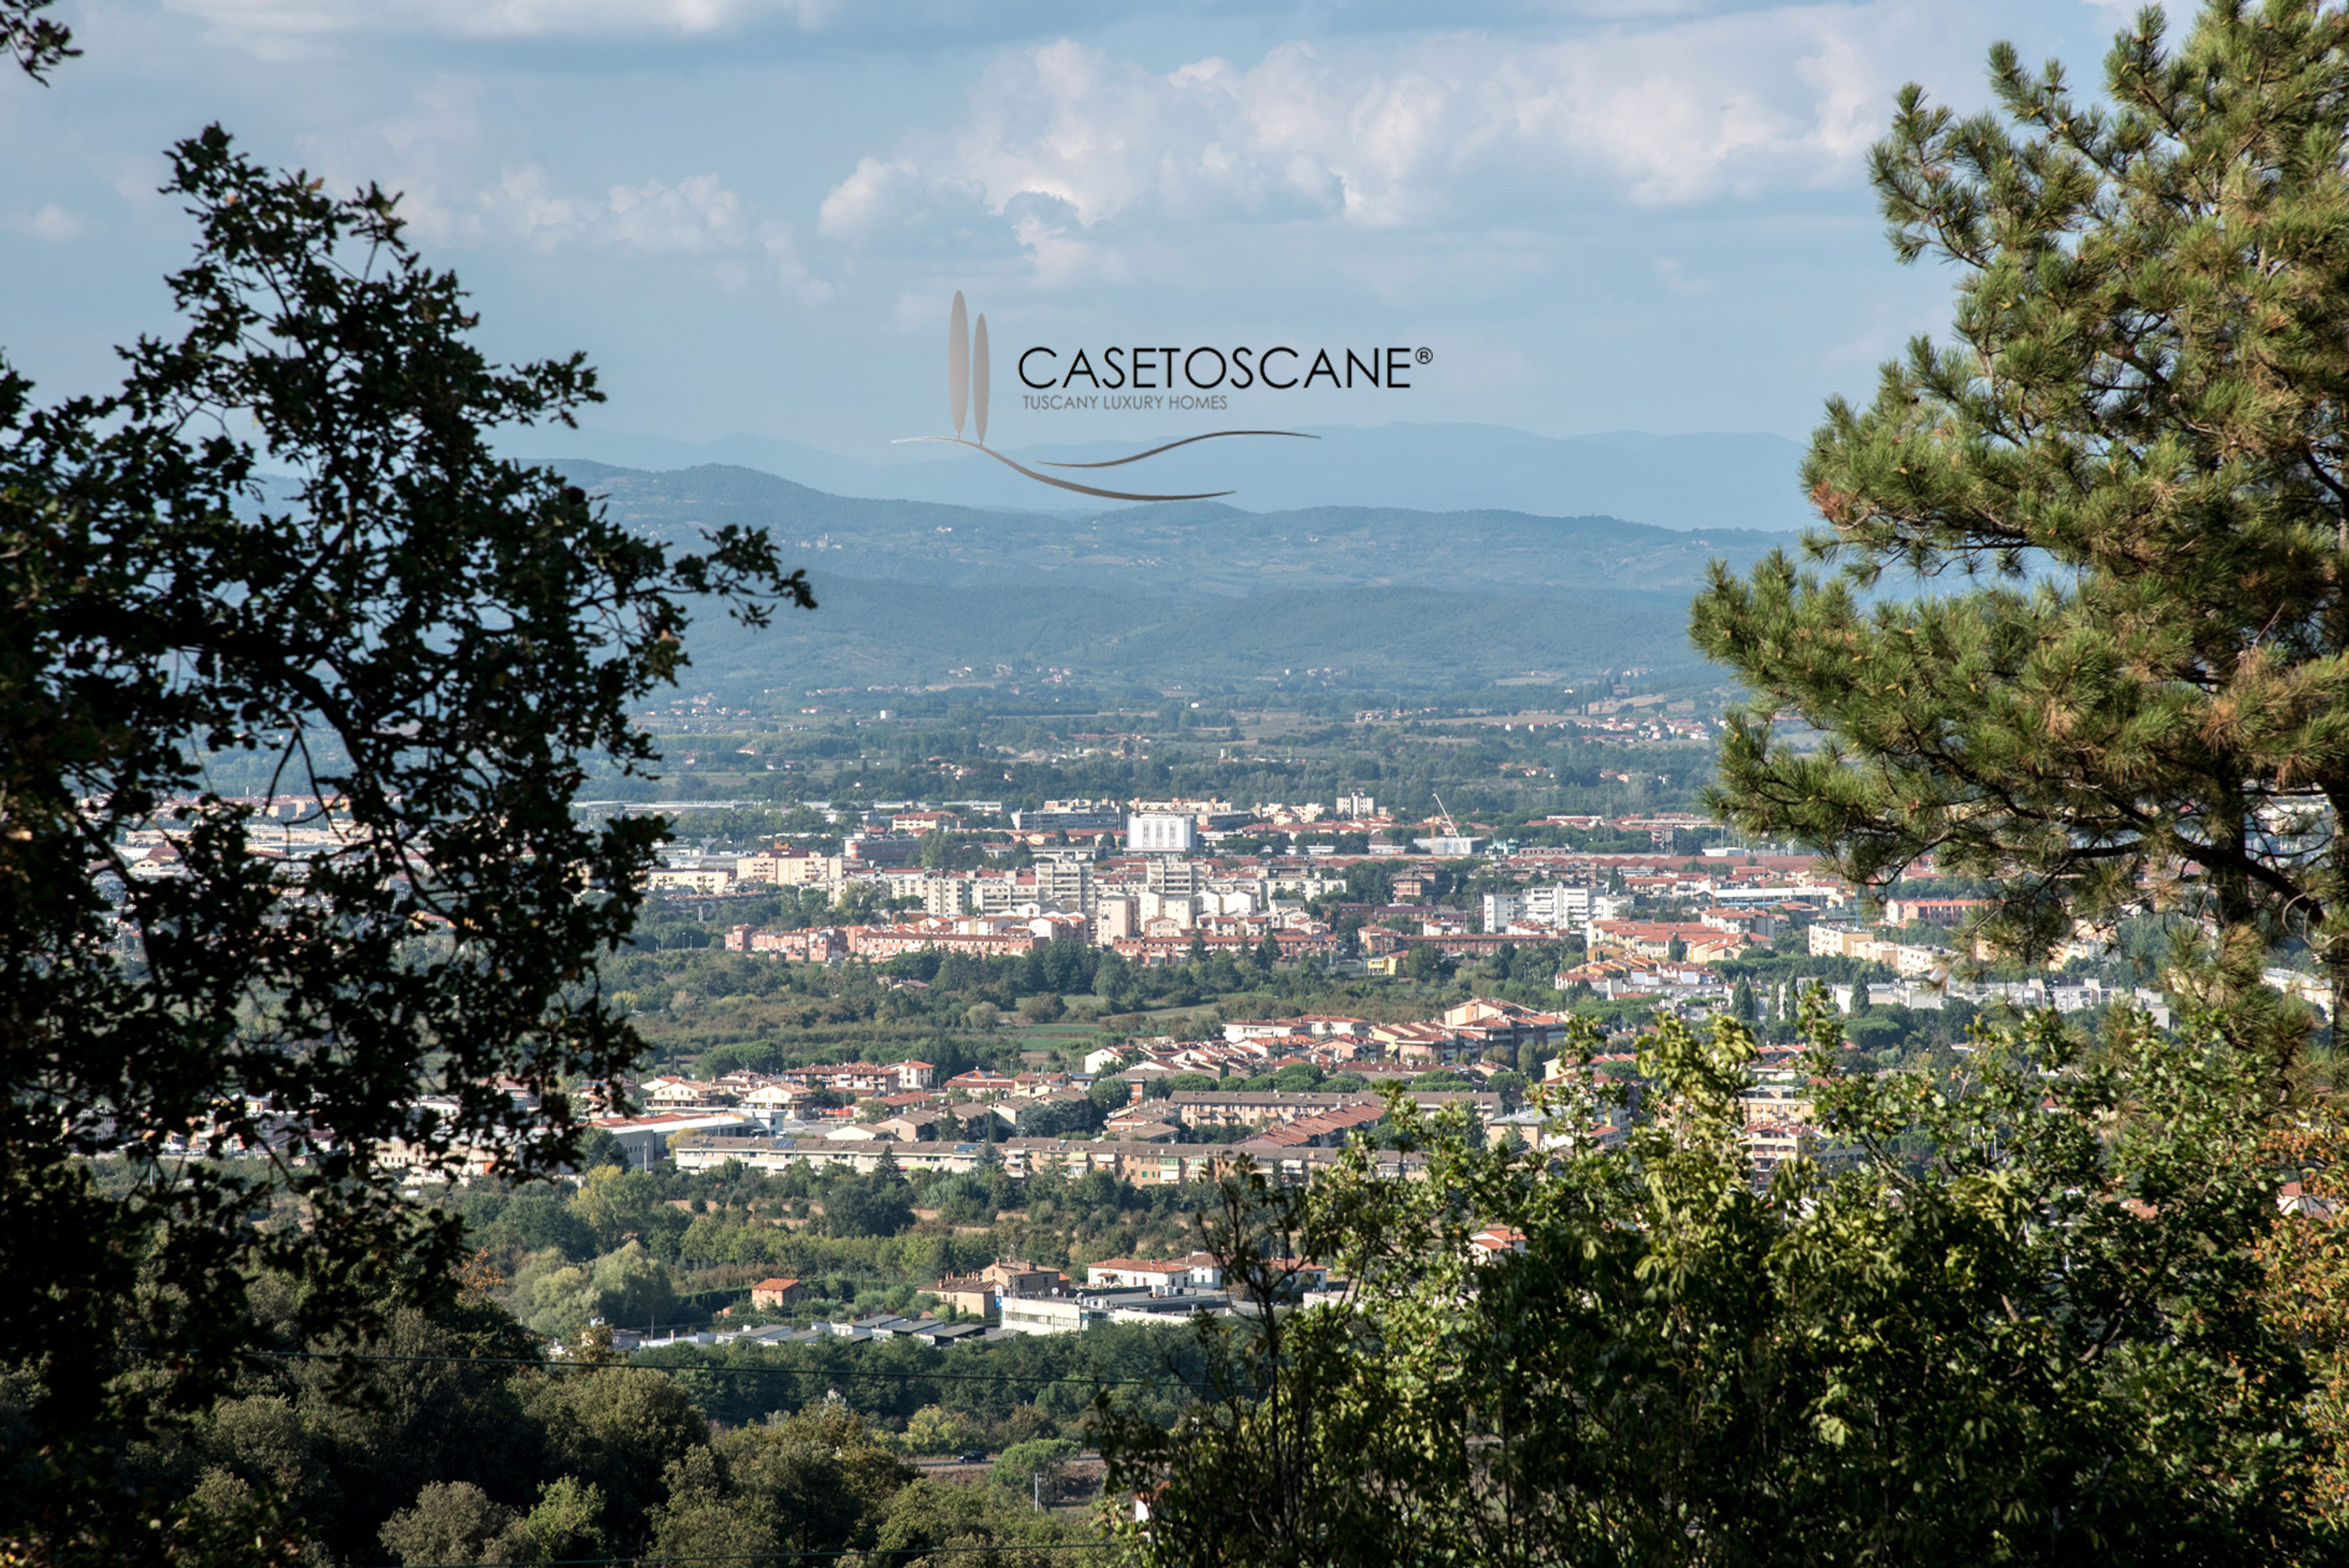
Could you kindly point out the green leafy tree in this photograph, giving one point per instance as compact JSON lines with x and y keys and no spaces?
{"x":616,"y":1205}
{"x":933,"y":1430}
{"x":450,"y":1521}
{"x":870,"y":1205}
{"x":2134,"y":452}
{"x":941,"y":1525}
{"x":567,"y":1522}
{"x":629,"y":1286}
{"x":410,"y":643}
{"x":532,"y":1221}
{"x":815,"y":1482}
{"x":2040,"y":1341}
{"x":616,"y":1429}
{"x":1035,"y":1469}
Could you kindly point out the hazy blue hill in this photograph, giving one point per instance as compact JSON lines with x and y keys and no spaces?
{"x":1178,"y":549}
{"x":1737,"y":481}
{"x":915,"y":591}
{"x":889,"y":633}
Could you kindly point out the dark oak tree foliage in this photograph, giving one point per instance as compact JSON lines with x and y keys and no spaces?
{"x":40,"y":43}
{"x":2126,"y":482}
{"x":420,"y":647}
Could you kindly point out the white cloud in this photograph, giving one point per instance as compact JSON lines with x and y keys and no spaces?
{"x":790,"y":272}
{"x":276,"y":28}
{"x":53,"y":223}
{"x":427,"y":151}
{"x":532,"y":211}
{"x":1669,"y":272}
{"x":1409,"y":133}
{"x":694,"y":216}
{"x":281,"y":27}
{"x":869,"y":200}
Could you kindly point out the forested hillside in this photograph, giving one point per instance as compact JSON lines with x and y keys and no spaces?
{"x":1192,"y":592}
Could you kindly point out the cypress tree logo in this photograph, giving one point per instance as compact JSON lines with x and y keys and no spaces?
{"x":967,"y":386}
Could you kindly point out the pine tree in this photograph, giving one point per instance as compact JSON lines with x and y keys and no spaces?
{"x":2125,"y":488}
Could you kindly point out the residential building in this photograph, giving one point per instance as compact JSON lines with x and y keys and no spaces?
{"x":1016,"y":1276}
{"x":967,"y":1292}
{"x":1065,"y":883}
{"x":1115,"y":918}
{"x":1138,"y":1273}
{"x":776,"y":1292}
{"x":1933,"y":911}
{"x":1174,"y":878}
{"x":1495,"y":1241}
{"x":690,"y":879}
{"x":1553,"y":907}
{"x":1060,"y":816}
{"x":868,"y":852}
{"x":948,"y":895}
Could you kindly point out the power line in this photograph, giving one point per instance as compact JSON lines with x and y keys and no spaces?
{"x":869,"y":1373}
{"x":830,"y":1555}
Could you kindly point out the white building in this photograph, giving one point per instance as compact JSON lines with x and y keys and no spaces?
{"x":1156,"y":833}
{"x":691,"y":879}
{"x":1065,"y":883}
{"x":950,"y":895}
{"x":1557,"y":908}
{"x":1086,"y":1309}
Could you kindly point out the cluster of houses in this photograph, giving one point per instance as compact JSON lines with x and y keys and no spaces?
{"x":1163,"y":906}
{"x":1161,"y":1134}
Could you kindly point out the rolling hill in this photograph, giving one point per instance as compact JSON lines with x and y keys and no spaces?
{"x":1191,"y":593}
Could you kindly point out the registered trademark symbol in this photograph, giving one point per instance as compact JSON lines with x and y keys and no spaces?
{"x":1424,"y":355}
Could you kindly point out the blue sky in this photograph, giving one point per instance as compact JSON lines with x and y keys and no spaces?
{"x":1596,"y":214}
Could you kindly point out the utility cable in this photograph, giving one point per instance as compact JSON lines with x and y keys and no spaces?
{"x":868,"y":1373}
{"x":833,"y":1555}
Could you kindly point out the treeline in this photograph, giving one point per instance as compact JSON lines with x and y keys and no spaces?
{"x":643,"y":1248}
{"x":927,"y":1401}
{"x":449,"y":1441}
{"x":1479,"y":768}
{"x":742,"y":1010}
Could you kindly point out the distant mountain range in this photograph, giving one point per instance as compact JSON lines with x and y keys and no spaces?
{"x":1700,"y":482}
{"x":1190,"y":593}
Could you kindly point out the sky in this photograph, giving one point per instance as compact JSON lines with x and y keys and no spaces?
{"x":1579,"y":215}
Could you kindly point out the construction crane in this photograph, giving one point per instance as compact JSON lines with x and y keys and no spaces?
{"x":1444,"y":815}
